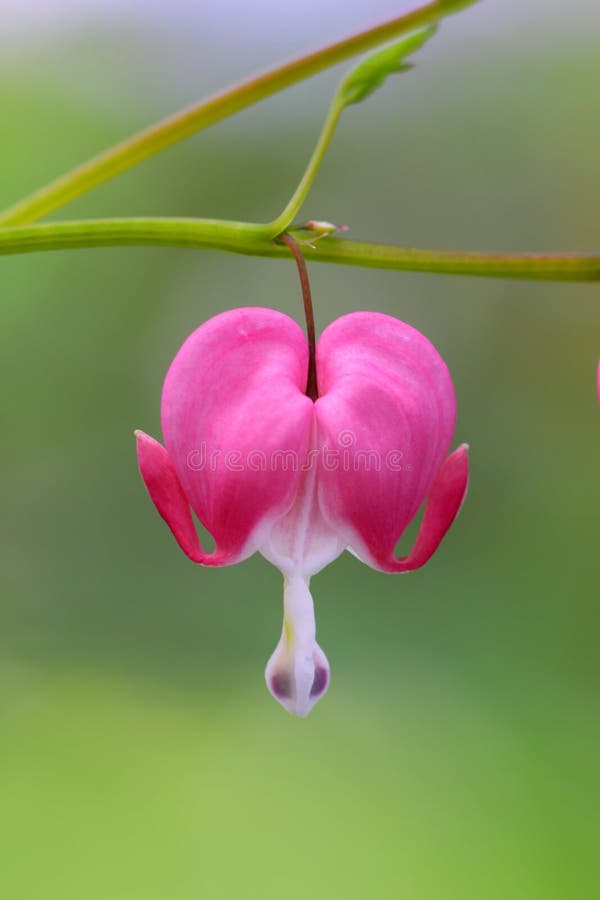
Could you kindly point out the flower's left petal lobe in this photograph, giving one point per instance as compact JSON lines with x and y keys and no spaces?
{"x":236,"y":423}
{"x":167,"y":494}
{"x":443,"y":504}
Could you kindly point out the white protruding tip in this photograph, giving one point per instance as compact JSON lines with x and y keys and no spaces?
{"x":297,"y":674}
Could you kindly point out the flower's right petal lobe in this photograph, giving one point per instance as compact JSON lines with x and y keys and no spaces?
{"x":385,"y":414}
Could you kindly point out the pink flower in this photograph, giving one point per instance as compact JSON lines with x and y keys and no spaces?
{"x":264,"y":468}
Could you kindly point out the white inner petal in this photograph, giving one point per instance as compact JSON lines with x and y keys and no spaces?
{"x":300,"y":544}
{"x":297,"y":674}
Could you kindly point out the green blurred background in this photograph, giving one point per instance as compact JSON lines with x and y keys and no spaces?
{"x":456,"y":753}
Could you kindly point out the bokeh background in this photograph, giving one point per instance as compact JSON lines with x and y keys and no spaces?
{"x":456,"y":754}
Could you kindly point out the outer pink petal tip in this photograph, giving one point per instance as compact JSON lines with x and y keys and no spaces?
{"x":443,"y":504}
{"x":164,"y":488}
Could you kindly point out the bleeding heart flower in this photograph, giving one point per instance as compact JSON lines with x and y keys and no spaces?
{"x":266,"y":468}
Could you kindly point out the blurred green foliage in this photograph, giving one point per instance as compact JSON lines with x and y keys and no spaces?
{"x":456,"y":753}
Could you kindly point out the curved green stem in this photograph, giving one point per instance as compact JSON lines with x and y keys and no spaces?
{"x":249,"y":239}
{"x":175,"y":128}
{"x":358,"y":84}
{"x":278,"y":225}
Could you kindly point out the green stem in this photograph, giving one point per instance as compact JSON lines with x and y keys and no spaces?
{"x":249,"y":239}
{"x":162,"y":135}
{"x":278,"y":225}
{"x":527,"y":266}
{"x":237,"y":237}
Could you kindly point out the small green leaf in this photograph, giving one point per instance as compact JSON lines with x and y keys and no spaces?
{"x":447,"y":7}
{"x":372,"y":71}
